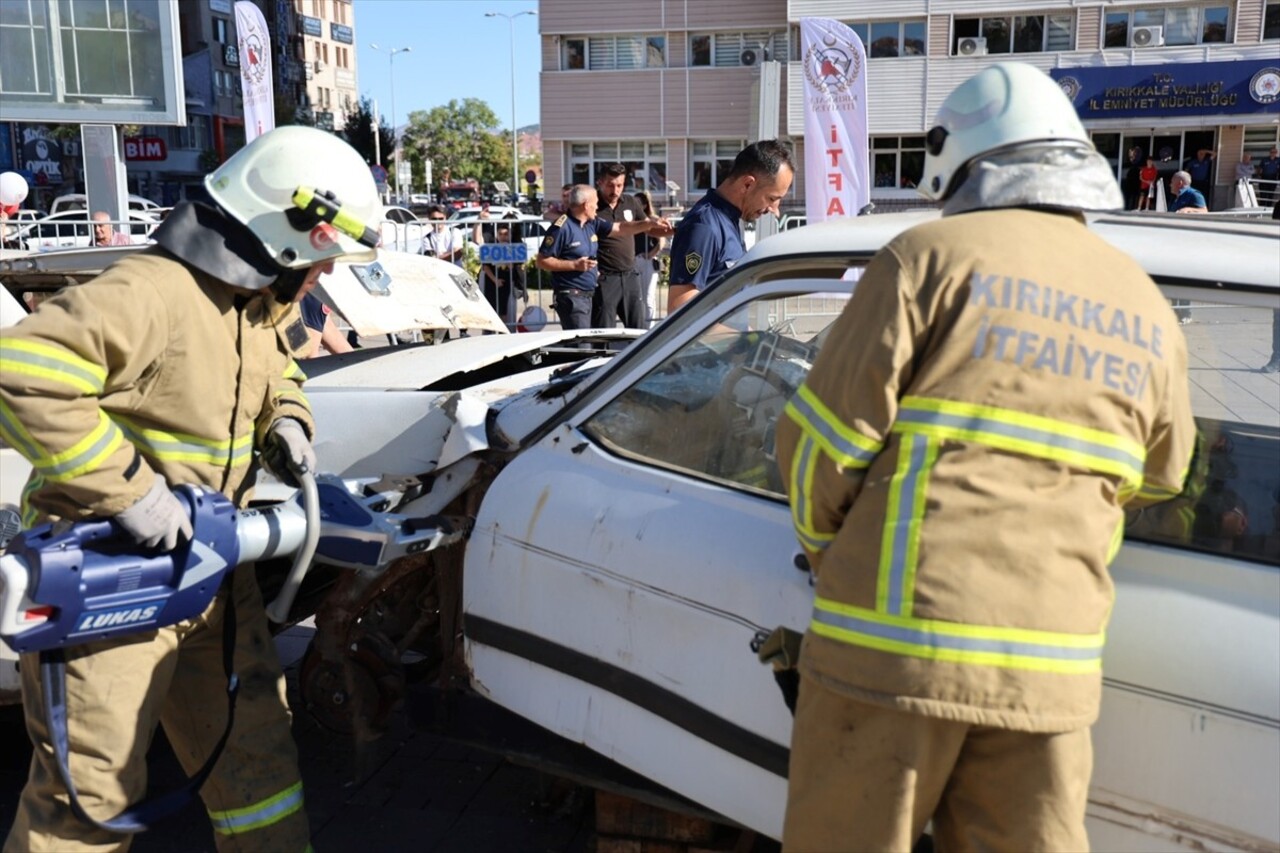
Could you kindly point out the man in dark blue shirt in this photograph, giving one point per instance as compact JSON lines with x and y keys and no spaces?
{"x":1269,"y":168}
{"x":1185,"y":198}
{"x":569,"y":250}
{"x":708,"y":241}
{"x":1200,"y":168}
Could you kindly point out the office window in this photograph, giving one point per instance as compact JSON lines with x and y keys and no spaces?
{"x":613,"y":53}
{"x":891,"y":38}
{"x":193,"y":137}
{"x":710,"y":161}
{"x":573,"y":55}
{"x":1017,"y":33}
{"x":225,"y":83}
{"x":1271,"y":20}
{"x":724,"y":50}
{"x":897,"y":162}
{"x":221,"y":30}
{"x":646,"y":163}
{"x":1182,"y":25}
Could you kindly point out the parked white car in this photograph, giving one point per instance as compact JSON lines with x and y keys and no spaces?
{"x":79,"y":201}
{"x":630,"y":538}
{"x":401,"y":230}
{"x":73,"y":228}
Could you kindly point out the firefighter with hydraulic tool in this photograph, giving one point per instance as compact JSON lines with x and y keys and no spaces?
{"x":175,"y":366}
{"x":1001,"y":387}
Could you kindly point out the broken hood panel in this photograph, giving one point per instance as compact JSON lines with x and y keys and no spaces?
{"x":413,"y":367}
{"x":400,"y":292}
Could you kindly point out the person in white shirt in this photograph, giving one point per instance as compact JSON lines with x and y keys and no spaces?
{"x":442,"y":241}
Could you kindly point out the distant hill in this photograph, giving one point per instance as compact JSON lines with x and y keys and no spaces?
{"x":529,"y":128}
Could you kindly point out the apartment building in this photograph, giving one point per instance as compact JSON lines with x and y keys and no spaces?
{"x":328,"y":52}
{"x":669,"y":87}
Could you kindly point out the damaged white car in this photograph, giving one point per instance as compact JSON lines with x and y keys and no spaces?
{"x":629,"y":539}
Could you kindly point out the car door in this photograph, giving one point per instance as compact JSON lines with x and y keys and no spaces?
{"x":619,"y":563}
{"x":1187,"y":745}
{"x":621,"y":567}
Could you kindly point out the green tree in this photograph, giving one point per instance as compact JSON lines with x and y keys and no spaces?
{"x":359,"y":133}
{"x":464,"y":137}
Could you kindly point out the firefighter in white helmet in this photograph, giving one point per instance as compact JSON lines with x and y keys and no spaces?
{"x":1001,"y":386}
{"x":176,"y":365}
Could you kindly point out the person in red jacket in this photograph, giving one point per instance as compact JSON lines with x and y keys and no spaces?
{"x":1147,"y":181}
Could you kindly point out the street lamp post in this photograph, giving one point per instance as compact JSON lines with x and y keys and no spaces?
{"x":395,"y":139}
{"x":515,"y":146}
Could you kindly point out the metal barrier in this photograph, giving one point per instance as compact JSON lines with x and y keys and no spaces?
{"x":67,"y":231}
{"x":1266,"y":192}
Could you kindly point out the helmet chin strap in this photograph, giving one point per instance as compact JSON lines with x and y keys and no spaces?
{"x":286,"y":287}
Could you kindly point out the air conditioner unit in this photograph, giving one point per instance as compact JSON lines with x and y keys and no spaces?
{"x":976,"y":46}
{"x":1147,"y":37}
{"x":319,"y":66}
{"x":754,"y":55}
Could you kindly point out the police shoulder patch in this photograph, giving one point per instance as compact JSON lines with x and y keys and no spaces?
{"x":692,"y":262}
{"x":296,"y":334}
{"x":564,"y":217}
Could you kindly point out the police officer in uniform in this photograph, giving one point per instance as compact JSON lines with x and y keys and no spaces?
{"x":708,"y":240}
{"x":1001,"y":387}
{"x":570,"y":249}
{"x":177,"y":365}
{"x":618,"y":292}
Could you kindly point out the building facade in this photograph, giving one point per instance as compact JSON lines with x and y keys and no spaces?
{"x":328,"y":53}
{"x":313,"y":68}
{"x":669,"y":87}
{"x":168,"y":164}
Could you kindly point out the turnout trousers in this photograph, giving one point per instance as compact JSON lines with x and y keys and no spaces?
{"x":865,"y":777}
{"x":118,"y":689}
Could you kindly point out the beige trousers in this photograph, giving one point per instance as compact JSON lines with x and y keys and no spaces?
{"x":116,"y":692}
{"x":866,"y":778}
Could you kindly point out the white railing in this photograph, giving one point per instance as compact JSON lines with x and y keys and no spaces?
{"x":1265,"y":193}
{"x":70,"y":232}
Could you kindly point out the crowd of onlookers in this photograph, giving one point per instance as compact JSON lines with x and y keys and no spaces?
{"x":1146,"y":176}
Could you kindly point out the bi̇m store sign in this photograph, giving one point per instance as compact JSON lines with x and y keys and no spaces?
{"x":1185,"y":89}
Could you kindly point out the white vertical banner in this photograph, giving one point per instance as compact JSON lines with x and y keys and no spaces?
{"x":837,"y":183}
{"x":254,"y":44}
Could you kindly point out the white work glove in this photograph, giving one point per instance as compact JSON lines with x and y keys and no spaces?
{"x":157,"y":519}
{"x":289,"y":452}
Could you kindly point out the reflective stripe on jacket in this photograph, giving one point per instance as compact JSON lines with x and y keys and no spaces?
{"x":1000,"y":386}
{"x":152,"y":366}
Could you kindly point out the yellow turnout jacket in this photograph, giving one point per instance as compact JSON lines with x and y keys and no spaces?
{"x":1001,"y":385}
{"x":152,"y":367}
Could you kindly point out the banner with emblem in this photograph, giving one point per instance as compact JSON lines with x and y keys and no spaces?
{"x":253,"y":44}
{"x":837,"y":183}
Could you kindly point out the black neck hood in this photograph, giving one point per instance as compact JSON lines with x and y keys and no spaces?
{"x":214,"y":243}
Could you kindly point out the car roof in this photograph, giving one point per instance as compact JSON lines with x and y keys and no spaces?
{"x":1171,"y":246}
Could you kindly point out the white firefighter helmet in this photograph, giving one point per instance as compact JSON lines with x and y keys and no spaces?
{"x":306,"y":196}
{"x":1001,"y":107}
